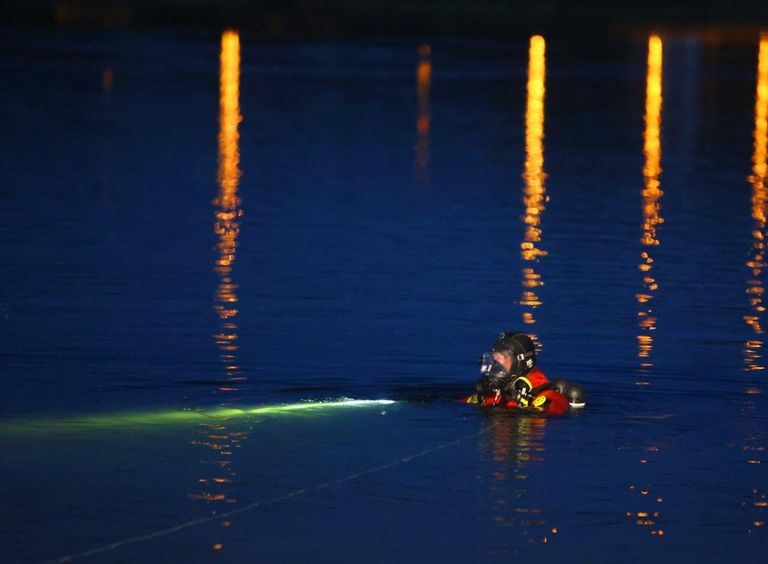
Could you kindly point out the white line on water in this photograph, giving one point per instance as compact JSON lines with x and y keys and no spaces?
{"x":255,"y":504}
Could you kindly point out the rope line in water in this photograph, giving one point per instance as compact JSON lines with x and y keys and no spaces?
{"x":255,"y":504}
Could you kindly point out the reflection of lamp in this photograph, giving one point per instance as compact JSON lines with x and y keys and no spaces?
{"x":534,"y":191}
{"x":650,"y":515}
{"x":513,"y":444}
{"x":228,"y":212}
{"x":516,"y":442}
{"x":107,"y":83}
{"x":651,"y":199}
{"x":757,"y":179}
{"x":216,"y":436}
{"x":423,"y":82}
{"x":107,"y":79}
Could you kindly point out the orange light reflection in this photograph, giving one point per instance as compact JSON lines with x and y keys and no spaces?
{"x":220,"y":440}
{"x":424,"y":119}
{"x":228,"y":212}
{"x":107,"y":80}
{"x":534,"y":190}
{"x":651,"y":515}
{"x":514,"y":445}
{"x":756,"y":262}
{"x":651,"y":200}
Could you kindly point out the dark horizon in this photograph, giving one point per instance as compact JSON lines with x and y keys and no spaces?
{"x":483,"y":18}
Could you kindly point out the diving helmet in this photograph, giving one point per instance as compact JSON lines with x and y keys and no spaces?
{"x":520,"y":348}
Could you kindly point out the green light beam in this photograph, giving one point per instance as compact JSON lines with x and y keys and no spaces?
{"x":142,"y":419}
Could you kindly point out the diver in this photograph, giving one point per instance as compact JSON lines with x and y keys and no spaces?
{"x":510,"y":378}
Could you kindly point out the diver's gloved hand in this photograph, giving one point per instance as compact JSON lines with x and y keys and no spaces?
{"x":490,"y":384}
{"x":519,"y":391}
{"x":489,"y":389}
{"x":495,"y":381}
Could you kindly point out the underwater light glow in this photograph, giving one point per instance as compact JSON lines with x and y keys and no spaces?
{"x":152,"y":418}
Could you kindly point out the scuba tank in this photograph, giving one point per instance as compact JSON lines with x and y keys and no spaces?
{"x":573,"y":392}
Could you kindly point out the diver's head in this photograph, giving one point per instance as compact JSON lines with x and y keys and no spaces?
{"x":492,"y":371}
{"x":515,"y":352}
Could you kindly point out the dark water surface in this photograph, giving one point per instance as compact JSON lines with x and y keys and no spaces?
{"x":190,"y":221}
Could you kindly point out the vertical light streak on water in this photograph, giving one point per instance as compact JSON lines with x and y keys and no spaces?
{"x":534,"y":190}
{"x":651,"y":202}
{"x":107,"y":79}
{"x":650,"y":504}
{"x":516,"y":445}
{"x":646,"y":498}
{"x":228,"y":211}
{"x":753,"y":444}
{"x":423,"y":120}
{"x":217,"y":436}
{"x":107,"y":83}
{"x":517,"y":442}
{"x":756,"y":263}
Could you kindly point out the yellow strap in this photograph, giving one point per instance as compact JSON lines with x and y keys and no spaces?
{"x":526,"y":380}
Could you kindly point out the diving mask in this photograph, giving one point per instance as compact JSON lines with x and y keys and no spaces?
{"x":490,"y":367}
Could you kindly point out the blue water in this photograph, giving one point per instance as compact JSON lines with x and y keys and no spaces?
{"x":373,"y":260}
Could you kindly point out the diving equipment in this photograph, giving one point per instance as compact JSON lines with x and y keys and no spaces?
{"x":520,"y":348}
